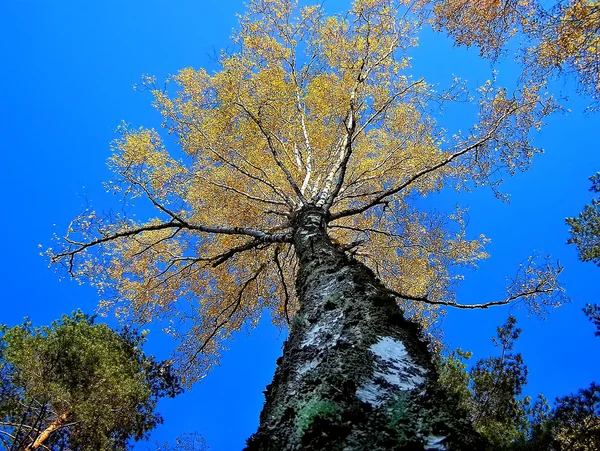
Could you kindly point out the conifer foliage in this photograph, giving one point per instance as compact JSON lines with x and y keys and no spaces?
{"x":585,"y":228}
{"x":78,"y":385}
{"x":492,"y":392}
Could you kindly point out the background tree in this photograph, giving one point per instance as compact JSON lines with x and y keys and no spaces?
{"x":585,"y":234}
{"x":573,"y":423}
{"x":585,"y":228}
{"x":78,"y":385}
{"x":593,"y":313}
{"x":303,"y":159}
{"x":491,"y":391}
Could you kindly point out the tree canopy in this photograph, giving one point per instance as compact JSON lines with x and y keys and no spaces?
{"x":555,"y":40}
{"x":306,"y":109}
{"x":78,"y":385}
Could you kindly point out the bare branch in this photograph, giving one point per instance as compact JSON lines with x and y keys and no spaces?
{"x":536,"y":285}
{"x":484,"y":305}
{"x":278,"y":162}
{"x":222,"y":258}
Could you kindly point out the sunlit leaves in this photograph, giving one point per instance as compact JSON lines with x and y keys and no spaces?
{"x":568,"y":39}
{"x":305,"y":109}
{"x":563,"y":38}
{"x":487,"y":24}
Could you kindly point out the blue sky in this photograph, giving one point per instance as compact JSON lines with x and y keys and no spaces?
{"x":67,"y":73}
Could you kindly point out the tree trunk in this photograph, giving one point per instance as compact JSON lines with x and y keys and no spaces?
{"x":56,"y":424}
{"x":355,"y":374}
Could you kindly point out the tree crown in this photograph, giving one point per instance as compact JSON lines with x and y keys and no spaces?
{"x":95,"y":382}
{"x":306,"y":110}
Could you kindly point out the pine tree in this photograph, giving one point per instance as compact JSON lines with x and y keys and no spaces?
{"x":78,"y":385}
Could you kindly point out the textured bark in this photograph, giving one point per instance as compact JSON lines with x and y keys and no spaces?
{"x":355,"y":374}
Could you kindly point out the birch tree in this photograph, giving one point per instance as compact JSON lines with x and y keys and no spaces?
{"x":292,"y":185}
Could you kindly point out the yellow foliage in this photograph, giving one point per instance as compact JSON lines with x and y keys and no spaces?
{"x":563,"y":38}
{"x":312,"y":110}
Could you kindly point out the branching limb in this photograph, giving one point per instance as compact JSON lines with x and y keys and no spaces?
{"x":79,"y":247}
{"x":484,"y":305}
{"x":219,"y":323}
{"x":273,"y":151}
{"x":151,"y":197}
{"x":536,"y":285}
{"x":222,"y":258}
{"x":308,"y":165}
{"x":243,"y":193}
{"x":412,"y":179}
{"x":263,"y":179}
{"x":327,"y":196}
{"x":385,"y":106}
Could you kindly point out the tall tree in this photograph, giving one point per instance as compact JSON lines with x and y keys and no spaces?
{"x":78,"y":385}
{"x":302,"y":161}
{"x":491,"y":391}
{"x":572,"y":424}
{"x":585,"y":234}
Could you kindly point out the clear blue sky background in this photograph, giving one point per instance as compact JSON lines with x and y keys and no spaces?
{"x":66,"y":77}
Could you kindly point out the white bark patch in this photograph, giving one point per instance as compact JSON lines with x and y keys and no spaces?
{"x":370,"y":393}
{"x":326,"y":332}
{"x":434,"y":443}
{"x":306,"y":235}
{"x":392,"y":364}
